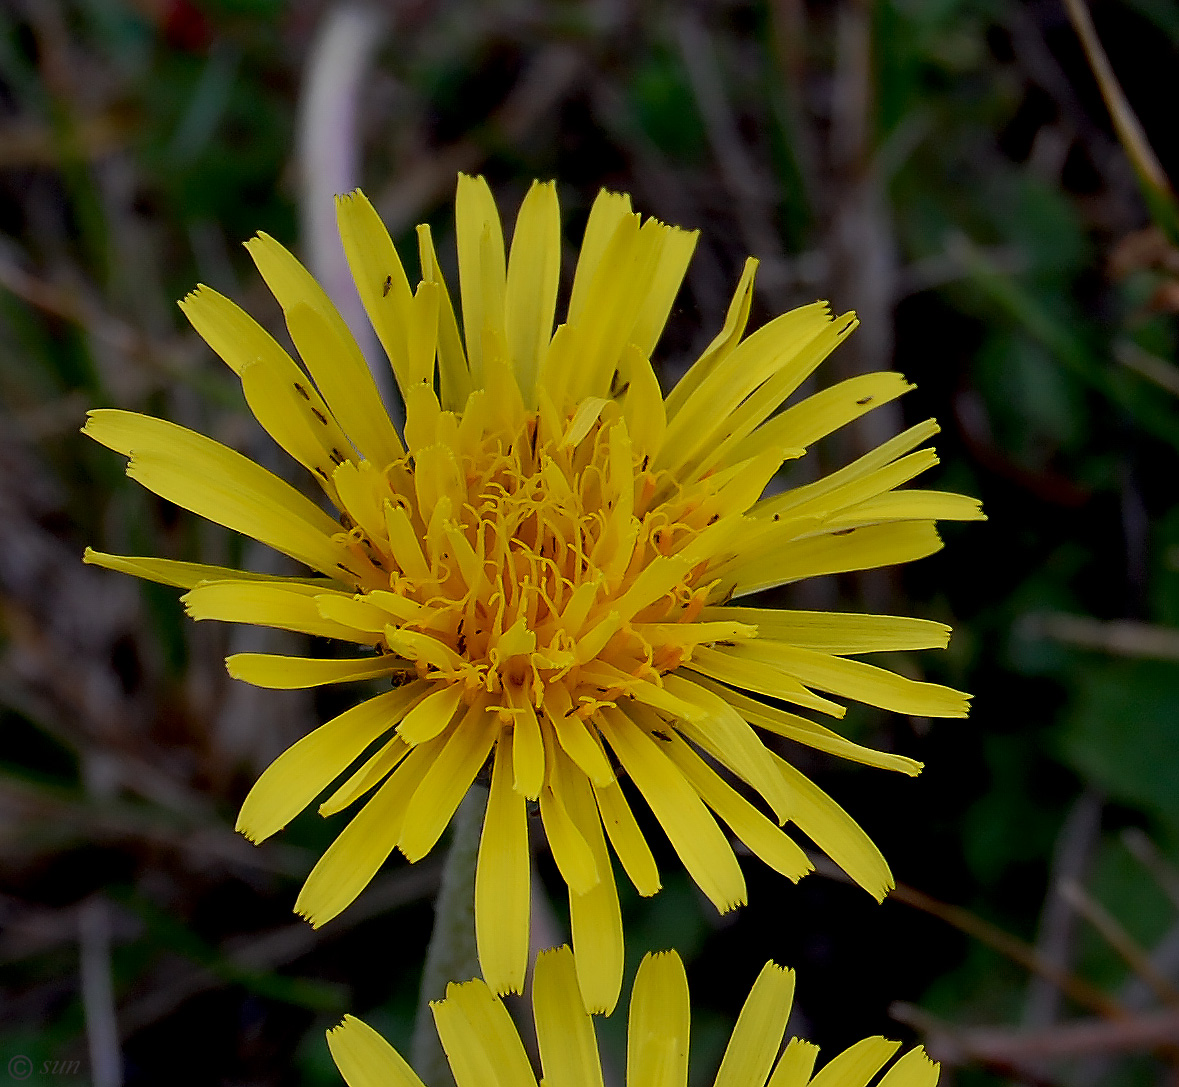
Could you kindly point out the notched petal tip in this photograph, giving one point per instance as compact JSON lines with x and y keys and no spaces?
{"x":310,"y":917}
{"x":734,"y":904}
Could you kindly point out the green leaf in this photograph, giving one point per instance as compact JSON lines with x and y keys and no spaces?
{"x":1122,"y":733}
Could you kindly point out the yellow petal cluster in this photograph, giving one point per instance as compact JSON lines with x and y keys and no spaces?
{"x":482,"y":1045}
{"x":541,"y":566}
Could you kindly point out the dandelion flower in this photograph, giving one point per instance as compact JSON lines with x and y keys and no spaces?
{"x":482,"y":1045}
{"x":542,"y":564}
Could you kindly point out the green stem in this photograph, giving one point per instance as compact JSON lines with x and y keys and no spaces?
{"x":451,"y":955}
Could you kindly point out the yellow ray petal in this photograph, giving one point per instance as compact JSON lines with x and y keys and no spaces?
{"x":279,"y":394}
{"x":564,"y":1029}
{"x":447,"y":781}
{"x":295,"y":673}
{"x":750,"y":1054}
{"x":453,"y":374}
{"x":437,"y":475}
{"x":594,"y":914}
{"x":795,"y":1065}
{"x":870,"y":463}
{"x":608,"y":210}
{"x":363,"y":490}
{"x":297,"y":426}
{"x":479,"y":1038}
{"x":664,"y":285}
{"x":416,"y":646}
{"x":914,"y":1069}
{"x":724,"y":729}
{"x":642,"y":402}
{"x":687,"y":823}
{"x":307,"y":767}
{"x":627,"y":839}
{"x":819,"y":415}
{"x":615,"y":301}
{"x":285,"y":605}
{"x":764,"y":839}
{"x":573,"y":735}
{"x":837,"y":834}
{"x":328,"y":351}
{"x":422,"y":412}
{"x":573,"y":857}
{"x":527,"y":748}
{"x":502,"y":880}
{"x":857,"y":549}
{"x":854,"y":679}
{"x":690,"y":634}
{"x":722,"y":344}
{"x":753,"y":675}
{"x":482,"y":274}
{"x":658,"y":577}
{"x":733,"y":430}
{"x":187,"y":575}
{"x":649,"y":694}
{"x":365,"y":1059}
{"x":834,"y":501}
{"x":657,"y":1030}
{"x":534,"y":269}
{"x":379,"y":276}
{"x":837,"y":632}
{"x":857,"y":1064}
{"x":430,"y":716}
{"x":220,"y":484}
{"x":357,"y":612}
{"x":372,"y":772}
{"x":407,"y":550}
{"x":912,"y":505}
{"x":421,"y":337}
{"x":802,"y":731}
{"x":351,"y":861}
{"x":770,"y":350}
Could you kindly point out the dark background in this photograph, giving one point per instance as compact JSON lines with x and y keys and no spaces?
{"x":945,"y":167}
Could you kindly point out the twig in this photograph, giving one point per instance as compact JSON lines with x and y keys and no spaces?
{"x":1153,"y":179}
{"x":1114,"y":933}
{"x":98,"y":995}
{"x":1054,"y":940}
{"x":1121,"y":637}
{"x":1041,"y":68}
{"x":1012,"y":947}
{"x":1165,"y":874}
{"x":1134,"y":995}
{"x":1163,"y":373}
{"x":1080,"y":1038}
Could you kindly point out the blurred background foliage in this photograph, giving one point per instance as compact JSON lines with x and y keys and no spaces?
{"x":948,"y":168}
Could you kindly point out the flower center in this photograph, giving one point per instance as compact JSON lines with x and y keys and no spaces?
{"x":528,"y":560}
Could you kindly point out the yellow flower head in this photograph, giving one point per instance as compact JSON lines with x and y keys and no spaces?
{"x":482,"y":1045}
{"x":544,"y":568}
